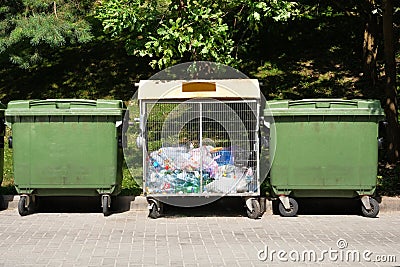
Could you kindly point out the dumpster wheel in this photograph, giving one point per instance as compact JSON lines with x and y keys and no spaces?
{"x":294,"y":207}
{"x":373,"y":212}
{"x":105,"y":203}
{"x":154,"y":208}
{"x":256,"y":209}
{"x":25,"y":205}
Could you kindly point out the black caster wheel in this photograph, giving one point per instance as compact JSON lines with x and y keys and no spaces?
{"x":292,"y":211}
{"x":256,"y":212}
{"x":154,"y":213}
{"x":23,"y":209}
{"x":373,"y":212}
{"x":105,"y":202}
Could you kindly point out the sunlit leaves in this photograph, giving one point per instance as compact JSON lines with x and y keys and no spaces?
{"x":173,"y":31}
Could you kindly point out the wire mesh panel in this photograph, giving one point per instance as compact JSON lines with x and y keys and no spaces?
{"x":201,"y":147}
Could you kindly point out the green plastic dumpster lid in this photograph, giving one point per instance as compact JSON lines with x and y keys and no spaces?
{"x":65,"y":107}
{"x":324,"y":107}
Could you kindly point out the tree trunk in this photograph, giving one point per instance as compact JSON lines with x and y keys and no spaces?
{"x":370,"y":46}
{"x":391,"y":105}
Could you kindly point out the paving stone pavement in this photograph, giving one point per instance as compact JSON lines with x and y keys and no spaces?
{"x":132,"y":239}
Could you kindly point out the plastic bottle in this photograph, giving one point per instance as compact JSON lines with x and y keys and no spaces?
{"x":249,"y":175}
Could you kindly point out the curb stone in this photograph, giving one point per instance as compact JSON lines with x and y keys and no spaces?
{"x":139,"y":203}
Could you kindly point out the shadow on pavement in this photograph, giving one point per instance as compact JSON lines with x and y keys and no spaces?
{"x":81,"y":204}
{"x":329,"y":206}
{"x":235,"y":207}
{"x":223,"y":207}
{"x":4,"y":201}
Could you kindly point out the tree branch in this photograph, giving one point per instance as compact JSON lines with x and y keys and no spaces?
{"x":55,"y":8}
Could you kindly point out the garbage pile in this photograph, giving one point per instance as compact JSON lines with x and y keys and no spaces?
{"x":179,"y":170}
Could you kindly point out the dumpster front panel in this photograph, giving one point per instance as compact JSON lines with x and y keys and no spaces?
{"x":65,"y":154}
{"x":315,"y":153}
{"x":201,"y":147}
{"x":62,"y":151}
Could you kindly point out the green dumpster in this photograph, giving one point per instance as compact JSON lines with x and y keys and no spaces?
{"x":324,"y":148}
{"x":66,"y":147}
{"x":2,"y":133}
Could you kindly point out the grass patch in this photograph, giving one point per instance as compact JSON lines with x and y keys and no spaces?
{"x":129,"y":184}
{"x":8,"y":174}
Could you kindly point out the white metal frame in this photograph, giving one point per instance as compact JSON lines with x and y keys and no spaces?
{"x":143,"y":118}
{"x":227,"y":92}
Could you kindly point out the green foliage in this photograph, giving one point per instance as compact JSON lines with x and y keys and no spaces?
{"x":7,"y":186}
{"x":8,"y":173}
{"x":129,"y":185}
{"x":293,"y":64}
{"x":177,"y":31}
{"x":29,"y":29}
{"x":287,"y":56}
{"x":266,"y":188}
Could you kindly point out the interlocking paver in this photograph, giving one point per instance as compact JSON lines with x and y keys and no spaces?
{"x":132,"y":239}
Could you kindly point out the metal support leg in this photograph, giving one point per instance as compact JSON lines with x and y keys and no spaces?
{"x":366,"y":203}
{"x":28,"y":200}
{"x":153,"y":202}
{"x":108,"y":201}
{"x":155,"y":208}
{"x":285,"y":201}
{"x":249,"y":204}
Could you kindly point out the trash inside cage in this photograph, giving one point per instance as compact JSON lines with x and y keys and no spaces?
{"x":201,"y":146}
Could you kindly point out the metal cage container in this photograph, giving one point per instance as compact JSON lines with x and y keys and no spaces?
{"x":200,"y":139}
